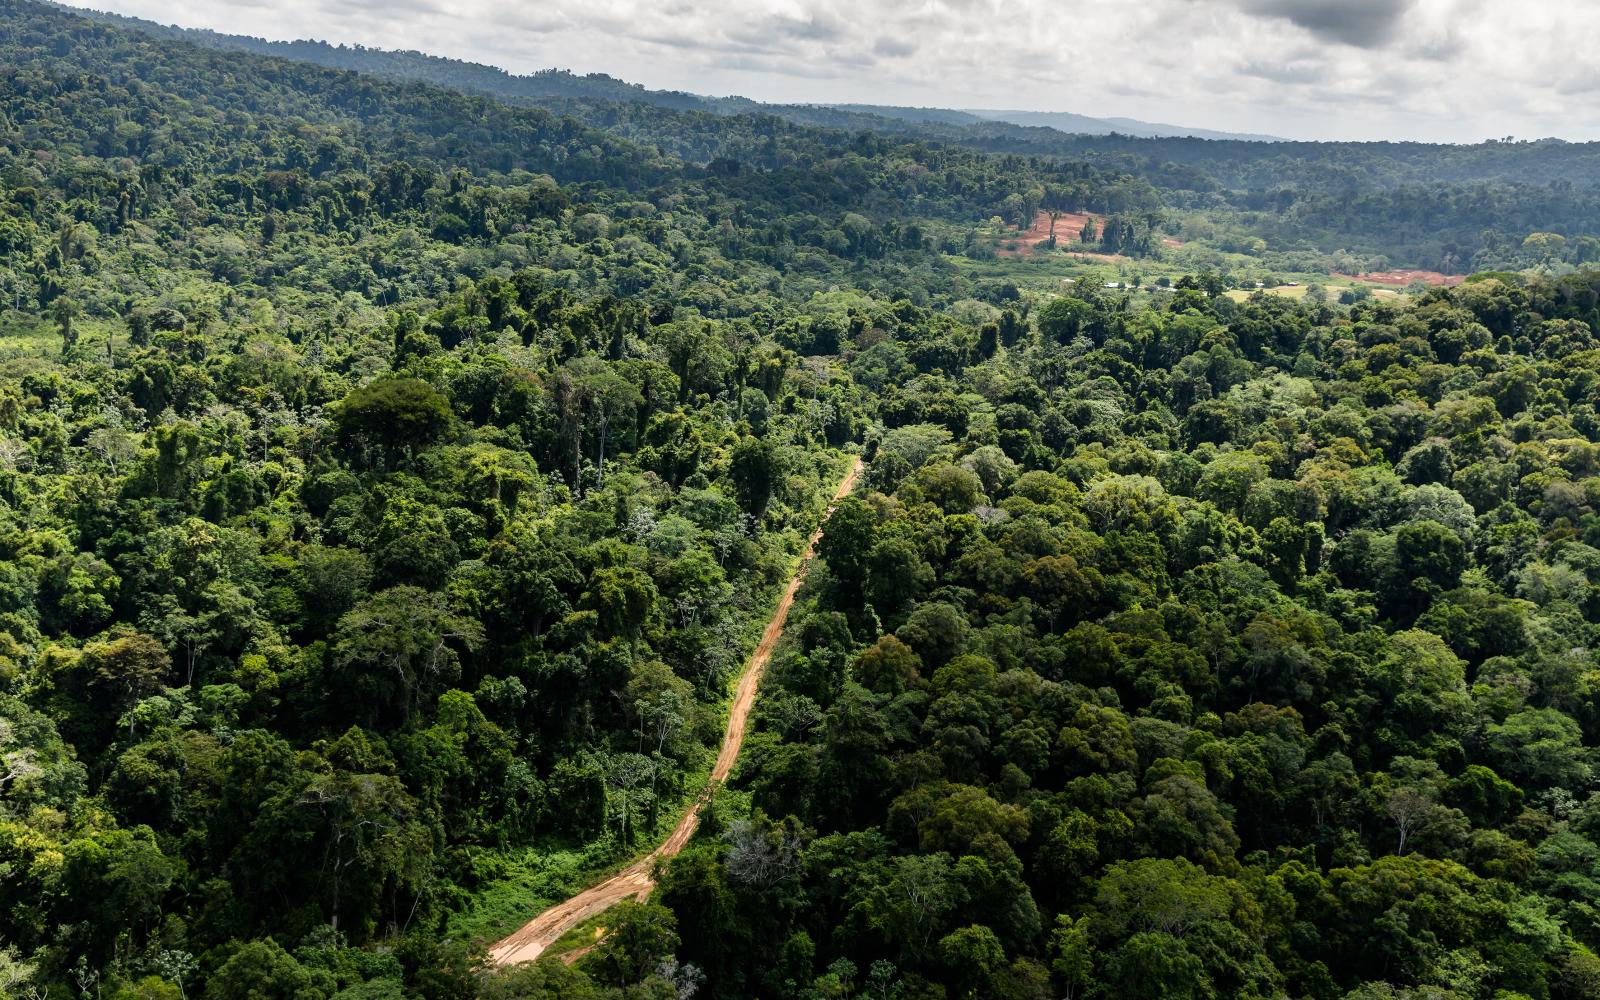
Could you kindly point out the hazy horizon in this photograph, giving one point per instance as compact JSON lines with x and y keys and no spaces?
{"x":1426,"y":70}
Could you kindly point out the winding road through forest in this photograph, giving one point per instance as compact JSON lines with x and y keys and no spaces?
{"x":635,"y":881}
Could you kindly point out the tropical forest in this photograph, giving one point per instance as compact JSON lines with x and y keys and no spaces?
{"x":467,"y":536}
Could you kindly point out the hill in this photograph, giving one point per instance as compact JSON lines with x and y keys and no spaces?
{"x":1063,"y":121}
{"x":1295,"y":206}
{"x":1059,"y":121}
{"x":394,"y":480}
{"x":559,"y":84}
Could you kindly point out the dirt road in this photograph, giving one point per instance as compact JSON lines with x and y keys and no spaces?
{"x":635,"y":881}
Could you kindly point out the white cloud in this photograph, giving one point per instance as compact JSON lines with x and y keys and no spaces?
{"x":1453,"y":70}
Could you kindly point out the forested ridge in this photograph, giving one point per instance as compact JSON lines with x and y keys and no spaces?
{"x":1456,"y":208}
{"x":393,"y":479}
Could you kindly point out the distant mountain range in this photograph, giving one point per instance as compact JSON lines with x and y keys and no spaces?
{"x":1061,"y":121}
{"x":556,"y":85}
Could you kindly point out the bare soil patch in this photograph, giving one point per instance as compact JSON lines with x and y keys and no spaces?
{"x":1406,"y":277}
{"x":1068,"y":226}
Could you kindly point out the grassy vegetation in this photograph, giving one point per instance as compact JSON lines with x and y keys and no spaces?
{"x":585,"y":935}
{"x":1299,"y":291}
{"x":32,"y":335}
{"x":519,"y":884}
{"x":1052,"y":272}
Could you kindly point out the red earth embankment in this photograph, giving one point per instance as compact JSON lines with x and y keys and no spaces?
{"x":1068,"y":226}
{"x":1405,"y":277}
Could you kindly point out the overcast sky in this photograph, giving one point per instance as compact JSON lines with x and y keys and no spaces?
{"x":1442,"y":70}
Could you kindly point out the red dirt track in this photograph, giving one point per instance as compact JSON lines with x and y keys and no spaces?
{"x":636,"y":880}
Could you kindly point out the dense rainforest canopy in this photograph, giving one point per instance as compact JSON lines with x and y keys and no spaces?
{"x":393,"y":478}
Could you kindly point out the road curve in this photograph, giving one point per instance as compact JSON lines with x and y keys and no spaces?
{"x":636,"y":880}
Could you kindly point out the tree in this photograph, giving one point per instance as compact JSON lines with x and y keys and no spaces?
{"x":1543,"y":747}
{"x":1429,"y":551}
{"x":897,"y":574}
{"x":974,"y":959}
{"x":993,"y":467}
{"x":262,"y":970}
{"x":1424,"y":680}
{"x":128,"y":666}
{"x":66,"y":312}
{"x":630,"y":781}
{"x":372,"y":836}
{"x":936,"y":631}
{"x":114,"y":445}
{"x":612,"y":399}
{"x":36,"y":766}
{"x":1060,"y":586}
{"x":848,"y":536}
{"x":404,"y":644}
{"x":192,"y":634}
{"x":1407,"y":807}
{"x":888,"y":666}
{"x":532,"y":979}
{"x":1157,"y":966}
{"x":1181,"y":817}
{"x":332,"y":580}
{"x":661,"y":702}
{"x":761,"y":853}
{"x":1072,"y":956}
{"x":18,"y":977}
{"x":414,"y":545}
{"x":965,"y":814}
{"x":1169,"y":896}
{"x":754,"y":467}
{"x":114,"y":882}
{"x":641,"y":936}
{"x":622,"y":597}
{"x":955,"y":489}
{"x":1065,"y":319}
{"x":1058,"y":200}
{"x":392,"y":416}
{"x":910,"y":908}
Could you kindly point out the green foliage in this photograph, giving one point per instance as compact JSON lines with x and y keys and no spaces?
{"x":391,"y":415}
{"x":392,"y":479}
{"x":1211,"y":686}
{"x":262,"y":970}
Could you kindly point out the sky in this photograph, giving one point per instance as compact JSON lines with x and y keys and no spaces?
{"x":1433,"y":70}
